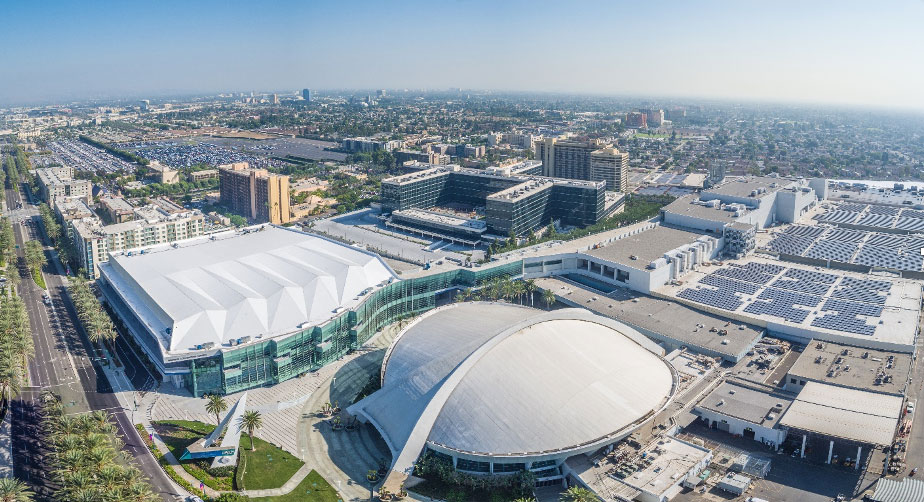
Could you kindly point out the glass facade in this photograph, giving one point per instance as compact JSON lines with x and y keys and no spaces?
{"x":573,"y":204}
{"x":277,"y":360}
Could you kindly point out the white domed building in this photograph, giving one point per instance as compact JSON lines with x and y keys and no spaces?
{"x":500,"y":388}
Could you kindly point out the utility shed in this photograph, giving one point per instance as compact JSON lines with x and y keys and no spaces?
{"x":902,"y":490}
{"x":734,"y":483}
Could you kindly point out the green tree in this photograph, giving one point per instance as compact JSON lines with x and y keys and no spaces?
{"x":14,"y":490}
{"x":578,"y":494}
{"x":549,"y":296}
{"x":215,"y":404}
{"x":252,"y":420}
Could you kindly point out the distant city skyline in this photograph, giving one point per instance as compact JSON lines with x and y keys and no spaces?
{"x":845,"y":53}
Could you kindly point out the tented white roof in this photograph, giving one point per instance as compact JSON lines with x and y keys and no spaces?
{"x":497,"y":379}
{"x":268,"y":281}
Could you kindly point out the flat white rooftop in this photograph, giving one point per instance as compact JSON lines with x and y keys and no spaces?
{"x":263,"y":282}
{"x":857,"y":415}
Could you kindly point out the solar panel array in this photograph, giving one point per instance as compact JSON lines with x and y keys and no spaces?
{"x":780,"y":303}
{"x":720,"y":298}
{"x":875,"y":216}
{"x":845,"y":245}
{"x":792,"y":294}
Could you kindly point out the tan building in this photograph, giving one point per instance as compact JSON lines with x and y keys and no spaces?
{"x":567,"y":157}
{"x":255,"y":193}
{"x":202,"y":175}
{"x":163,"y":174}
{"x":151,"y":225}
{"x":118,"y":210}
{"x":612,"y":166}
{"x":59,"y":183}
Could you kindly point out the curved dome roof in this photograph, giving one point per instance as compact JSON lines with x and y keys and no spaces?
{"x":499,"y":379}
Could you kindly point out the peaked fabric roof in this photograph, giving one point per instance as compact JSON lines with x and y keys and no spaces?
{"x":267,"y":282}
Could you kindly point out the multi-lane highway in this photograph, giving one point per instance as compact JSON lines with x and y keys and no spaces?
{"x":65,"y":364}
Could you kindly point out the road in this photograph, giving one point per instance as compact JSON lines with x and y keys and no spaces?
{"x":63,"y":363}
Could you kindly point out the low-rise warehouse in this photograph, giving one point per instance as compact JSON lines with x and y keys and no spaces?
{"x":846,"y":366}
{"x":746,"y":409}
{"x":836,"y":422}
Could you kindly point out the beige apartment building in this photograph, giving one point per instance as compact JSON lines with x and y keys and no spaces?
{"x":254,"y":193}
{"x":151,"y":225}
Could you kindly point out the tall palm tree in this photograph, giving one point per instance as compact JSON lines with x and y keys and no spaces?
{"x":578,"y":494}
{"x":530,"y":287}
{"x":549,"y":296}
{"x":14,"y":490}
{"x":215,"y":405}
{"x":251,"y":421}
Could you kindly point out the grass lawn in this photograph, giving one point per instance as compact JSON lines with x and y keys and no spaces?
{"x":649,"y":135}
{"x":266,"y":467}
{"x":313,"y":488}
{"x":38,"y":278}
{"x":177,"y":435}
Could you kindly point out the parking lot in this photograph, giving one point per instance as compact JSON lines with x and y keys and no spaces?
{"x":179,"y":154}
{"x":83,"y":157}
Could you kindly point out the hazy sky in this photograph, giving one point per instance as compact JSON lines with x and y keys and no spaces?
{"x":869,"y":53}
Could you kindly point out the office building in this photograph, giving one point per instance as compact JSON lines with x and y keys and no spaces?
{"x":255,"y":193}
{"x":205,"y":174}
{"x":514,"y":203}
{"x":306,"y":95}
{"x":361,"y":144}
{"x":163,"y":174}
{"x":59,"y":182}
{"x":402,"y":156}
{"x":612,"y":166}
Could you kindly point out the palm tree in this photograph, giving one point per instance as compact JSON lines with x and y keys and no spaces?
{"x":525,"y":499}
{"x":215,"y":404}
{"x":251,"y":421}
{"x":578,"y":494}
{"x":530,"y":287}
{"x":14,"y":490}
{"x":549,"y":296}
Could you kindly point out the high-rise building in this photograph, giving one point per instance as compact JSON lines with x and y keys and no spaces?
{"x":380,"y":93}
{"x":612,"y":166}
{"x":566,"y":157}
{"x":636,"y":120}
{"x":675,"y":113}
{"x":654,"y":116}
{"x":306,"y":94}
{"x":275,"y":99}
{"x":255,"y":193}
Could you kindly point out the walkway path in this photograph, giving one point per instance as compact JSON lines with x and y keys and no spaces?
{"x":344,"y":457}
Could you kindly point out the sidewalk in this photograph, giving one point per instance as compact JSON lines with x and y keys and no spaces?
{"x":123,"y":391}
{"x":6,"y":446}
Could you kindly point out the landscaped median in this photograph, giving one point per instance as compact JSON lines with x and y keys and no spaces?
{"x":266,"y":467}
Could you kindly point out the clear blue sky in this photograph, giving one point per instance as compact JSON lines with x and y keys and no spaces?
{"x":865,"y":53}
